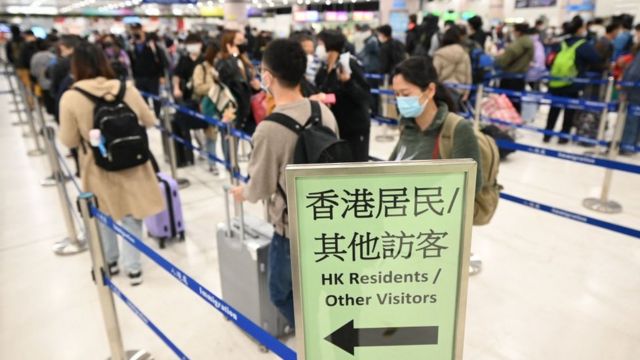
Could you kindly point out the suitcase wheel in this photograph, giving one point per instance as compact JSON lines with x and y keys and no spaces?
{"x":162,"y":242}
{"x":263,"y":349}
{"x":181,"y":235}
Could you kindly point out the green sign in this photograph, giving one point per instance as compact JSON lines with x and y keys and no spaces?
{"x":380,"y":256}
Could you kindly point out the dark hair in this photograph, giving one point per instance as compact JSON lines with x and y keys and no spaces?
{"x":333,"y":40}
{"x":449,"y":23}
{"x":193,"y":38}
{"x":385,"y":30}
{"x":213,"y":48}
{"x":301,"y":37}
{"x":88,"y":62}
{"x":70,"y":41}
{"x":228,"y":38}
{"x":522,"y":28}
{"x":612,"y":27}
{"x":28,"y":33}
{"x":286,"y":60}
{"x":419,"y":71}
{"x":638,"y":27}
{"x":453,"y":35}
{"x":475,"y":22}
{"x":413,"y":18}
{"x":627,"y":21}
{"x":598,"y":21}
{"x":539,"y":22}
{"x":15,"y":32}
{"x":575,"y":24}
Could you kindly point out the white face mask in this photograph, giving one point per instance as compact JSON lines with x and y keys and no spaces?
{"x":321,"y":52}
{"x":194,"y":49}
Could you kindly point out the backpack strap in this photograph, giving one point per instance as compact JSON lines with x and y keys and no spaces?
{"x":121,"y":91}
{"x":87,"y":94}
{"x":444,"y":142}
{"x":316,"y":114}
{"x":286,"y":121}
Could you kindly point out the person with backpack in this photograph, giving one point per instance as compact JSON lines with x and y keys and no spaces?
{"x":515,"y":60}
{"x":452,"y":63}
{"x":205,"y":77}
{"x":115,"y":165}
{"x":624,"y":41}
{"x":370,"y":57}
{"x":574,"y":57}
{"x":428,"y":36}
{"x":342,"y":76}
{"x":274,"y":147}
{"x":392,"y":51}
{"x":631,"y":131}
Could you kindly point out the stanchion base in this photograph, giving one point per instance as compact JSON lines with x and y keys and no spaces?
{"x":606,"y":207}
{"x":596,"y":153}
{"x":67,"y":247}
{"x":18,"y":123}
{"x":35,"y":152}
{"x":475,"y":265}
{"x":48,"y":181}
{"x":26,"y":135}
{"x":183,"y":183}
{"x":137,"y":355}
{"x":385,"y":138}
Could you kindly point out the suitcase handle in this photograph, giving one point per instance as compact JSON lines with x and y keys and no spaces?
{"x":227,"y":190}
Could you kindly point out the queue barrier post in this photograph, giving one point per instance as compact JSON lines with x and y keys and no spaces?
{"x":37,"y":151}
{"x":234,"y":167}
{"x":603,"y":204}
{"x":604,"y":117}
{"x":167,"y":124}
{"x":99,"y":271}
{"x":386,"y":136}
{"x":478,"y":107}
{"x":51,"y":179}
{"x":72,"y":244}
{"x":14,"y":98}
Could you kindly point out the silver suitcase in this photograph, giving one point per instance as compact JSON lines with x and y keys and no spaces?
{"x":243,"y":254}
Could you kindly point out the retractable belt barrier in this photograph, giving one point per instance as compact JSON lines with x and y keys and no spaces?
{"x":266,"y":339}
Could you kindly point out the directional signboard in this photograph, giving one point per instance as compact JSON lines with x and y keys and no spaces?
{"x":380,"y":255}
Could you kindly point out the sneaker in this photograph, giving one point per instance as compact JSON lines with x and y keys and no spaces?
{"x":214,"y":170}
{"x":135,"y":279}
{"x":546,"y":139}
{"x":563,"y":141}
{"x":113,"y":269}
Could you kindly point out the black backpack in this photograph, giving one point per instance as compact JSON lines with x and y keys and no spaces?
{"x":317,"y":143}
{"x":124,"y":138}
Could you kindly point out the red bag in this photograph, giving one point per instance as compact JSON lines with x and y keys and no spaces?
{"x":259,"y":107}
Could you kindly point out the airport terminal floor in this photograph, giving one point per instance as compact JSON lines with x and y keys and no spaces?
{"x":550,"y":287}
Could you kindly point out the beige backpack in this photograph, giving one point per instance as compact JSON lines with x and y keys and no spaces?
{"x":487,"y":198}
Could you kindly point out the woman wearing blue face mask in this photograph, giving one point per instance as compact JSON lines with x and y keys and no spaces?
{"x":426,"y":108}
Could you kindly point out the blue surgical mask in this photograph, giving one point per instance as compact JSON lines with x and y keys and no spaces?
{"x":410,"y":106}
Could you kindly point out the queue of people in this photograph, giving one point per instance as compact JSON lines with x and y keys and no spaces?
{"x":309,"y":76}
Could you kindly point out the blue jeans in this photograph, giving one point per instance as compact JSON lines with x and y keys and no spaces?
{"x":279,"y":276}
{"x":631,"y":133}
{"x":130,"y":255}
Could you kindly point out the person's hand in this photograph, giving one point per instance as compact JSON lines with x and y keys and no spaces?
{"x":177,"y":93}
{"x":465,"y":96}
{"x":255,"y":84}
{"x":229,"y":114}
{"x":343,"y":76}
{"x":238,"y":193}
{"x":320,"y":97}
{"x":161,"y":81}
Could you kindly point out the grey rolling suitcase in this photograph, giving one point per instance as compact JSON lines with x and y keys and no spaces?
{"x":243,"y":254}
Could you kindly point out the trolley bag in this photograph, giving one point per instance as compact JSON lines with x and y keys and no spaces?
{"x":587,"y":124}
{"x":184,"y":153}
{"x":169,"y":224}
{"x":243,"y":254}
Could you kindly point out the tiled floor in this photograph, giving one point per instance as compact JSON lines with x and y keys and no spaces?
{"x":551,"y":288}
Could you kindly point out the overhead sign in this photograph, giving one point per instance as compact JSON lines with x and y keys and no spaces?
{"x":380,"y":257}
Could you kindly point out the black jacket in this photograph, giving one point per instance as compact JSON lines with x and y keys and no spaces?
{"x":352,"y":98}
{"x":147,"y":63}
{"x":230,"y":74}
{"x":28,"y":50}
{"x":391,"y":54}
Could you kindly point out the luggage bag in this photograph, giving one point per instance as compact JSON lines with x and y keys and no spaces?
{"x":243,"y":254}
{"x":169,"y":224}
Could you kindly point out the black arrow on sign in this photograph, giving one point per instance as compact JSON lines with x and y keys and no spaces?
{"x":347,"y":337}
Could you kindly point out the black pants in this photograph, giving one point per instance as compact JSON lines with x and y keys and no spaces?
{"x":554,"y":112}
{"x":359,"y":144}
{"x":152,"y":86}
{"x":514,"y":85}
{"x":375,"y":98}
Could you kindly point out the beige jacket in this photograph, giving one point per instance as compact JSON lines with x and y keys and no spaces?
{"x":273,"y":147}
{"x":202,"y":78}
{"x":132,"y":191}
{"x":453,"y":65}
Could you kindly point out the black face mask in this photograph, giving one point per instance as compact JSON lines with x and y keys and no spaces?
{"x":243,"y":48}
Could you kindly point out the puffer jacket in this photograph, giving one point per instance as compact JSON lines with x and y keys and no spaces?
{"x":453,"y":64}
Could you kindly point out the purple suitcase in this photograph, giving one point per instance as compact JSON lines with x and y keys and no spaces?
{"x":169,"y":224}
